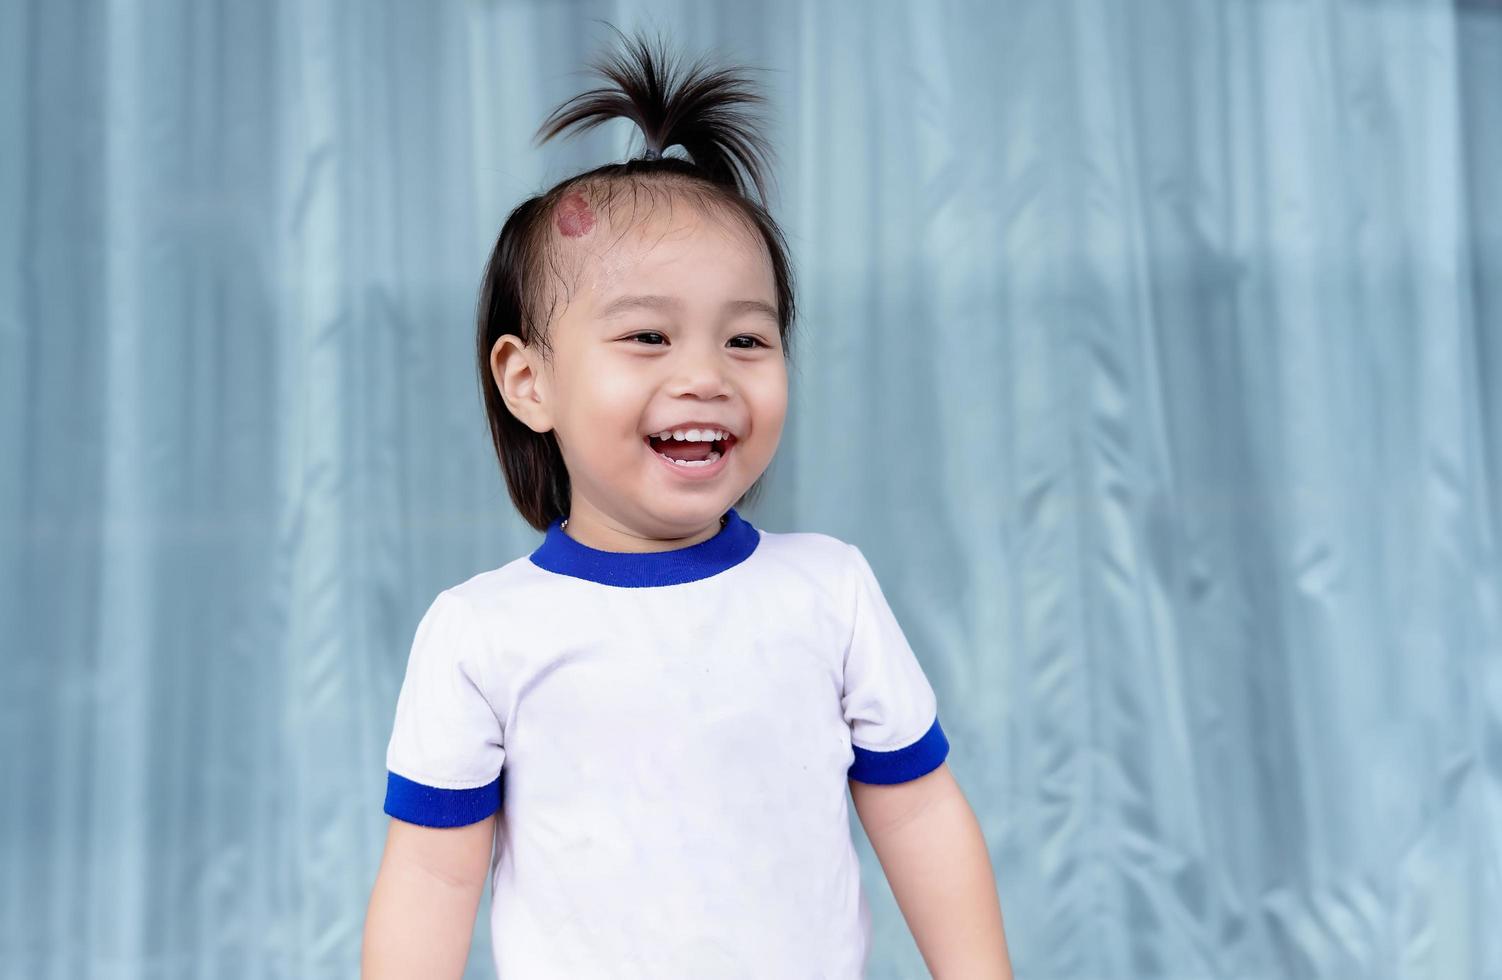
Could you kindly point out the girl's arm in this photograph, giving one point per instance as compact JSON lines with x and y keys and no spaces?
{"x":934,"y":855}
{"x":422,"y":908}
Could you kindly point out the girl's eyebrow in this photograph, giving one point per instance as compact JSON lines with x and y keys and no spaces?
{"x":671,"y":304}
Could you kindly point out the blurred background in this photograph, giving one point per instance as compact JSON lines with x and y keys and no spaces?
{"x":1149,"y":350}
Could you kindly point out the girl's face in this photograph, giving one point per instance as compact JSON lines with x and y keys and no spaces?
{"x":673,"y":327}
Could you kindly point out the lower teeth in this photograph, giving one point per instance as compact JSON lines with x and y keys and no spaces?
{"x":713,"y":455}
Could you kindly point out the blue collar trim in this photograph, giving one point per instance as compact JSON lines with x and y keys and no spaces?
{"x":731,"y":545}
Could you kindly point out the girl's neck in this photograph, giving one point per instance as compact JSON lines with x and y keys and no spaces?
{"x":594,"y":532}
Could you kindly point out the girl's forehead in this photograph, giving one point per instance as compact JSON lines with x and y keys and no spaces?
{"x":641,"y":222}
{"x":609,"y":247}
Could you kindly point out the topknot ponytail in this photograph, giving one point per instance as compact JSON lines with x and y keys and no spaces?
{"x":702,"y":110}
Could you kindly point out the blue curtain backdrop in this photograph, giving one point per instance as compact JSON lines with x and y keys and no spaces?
{"x":1151,"y":351}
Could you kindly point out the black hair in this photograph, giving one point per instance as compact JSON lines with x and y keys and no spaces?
{"x":703,"y":111}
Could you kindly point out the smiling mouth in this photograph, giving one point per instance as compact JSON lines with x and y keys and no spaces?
{"x":690,"y":453}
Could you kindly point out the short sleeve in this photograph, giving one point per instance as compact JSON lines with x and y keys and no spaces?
{"x":444,"y":759}
{"x":887,"y":700}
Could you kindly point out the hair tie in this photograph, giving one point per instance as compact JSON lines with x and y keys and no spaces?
{"x":651,"y":154}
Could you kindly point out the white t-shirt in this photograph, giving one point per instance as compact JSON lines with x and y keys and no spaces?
{"x":667,"y":738}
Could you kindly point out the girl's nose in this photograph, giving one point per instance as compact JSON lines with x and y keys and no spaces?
{"x":705,"y":384}
{"x":698,"y":373}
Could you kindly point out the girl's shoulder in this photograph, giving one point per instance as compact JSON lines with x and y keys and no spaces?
{"x":516,"y":583}
{"x":812,"y":552}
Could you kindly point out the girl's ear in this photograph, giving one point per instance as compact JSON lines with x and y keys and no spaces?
{"x":517,"y":377}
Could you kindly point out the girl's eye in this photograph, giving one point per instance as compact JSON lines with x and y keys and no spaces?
{"x":755,"y":341}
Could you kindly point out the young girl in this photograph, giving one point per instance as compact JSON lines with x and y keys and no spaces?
{"x":654,"y":716}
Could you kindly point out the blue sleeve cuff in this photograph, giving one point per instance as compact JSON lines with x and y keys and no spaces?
{"x":433,"y":807}
{"x":901,"y":765}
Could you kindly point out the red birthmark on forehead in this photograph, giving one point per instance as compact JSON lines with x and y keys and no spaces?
{"x":574,"y":217}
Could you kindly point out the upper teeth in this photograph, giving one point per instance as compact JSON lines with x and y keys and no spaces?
{"x":693,"y":435}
